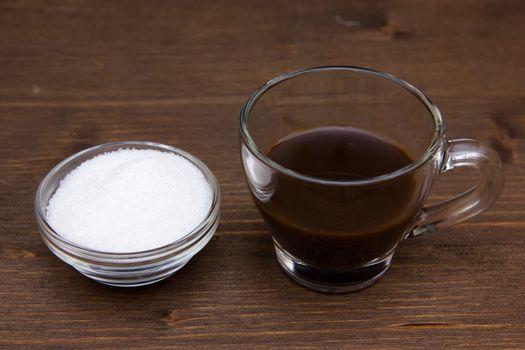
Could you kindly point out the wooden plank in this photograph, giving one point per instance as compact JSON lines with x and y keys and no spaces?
{"x":76,"y":74}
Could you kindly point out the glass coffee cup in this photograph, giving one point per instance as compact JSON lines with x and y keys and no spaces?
{"x":340,"y":162}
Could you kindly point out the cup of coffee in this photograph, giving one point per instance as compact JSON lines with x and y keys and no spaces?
{"x":340,"y":162}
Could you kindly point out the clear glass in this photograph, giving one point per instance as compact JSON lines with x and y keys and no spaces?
{"x":349,"y":241}
{"x":125,"y":269}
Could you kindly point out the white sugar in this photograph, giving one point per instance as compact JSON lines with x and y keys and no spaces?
{"x":130,"y":200}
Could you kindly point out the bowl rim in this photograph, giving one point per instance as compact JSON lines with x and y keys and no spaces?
{"x":199,"y":230}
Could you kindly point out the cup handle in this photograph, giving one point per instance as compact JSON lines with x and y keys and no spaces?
{"x":471,"y":154}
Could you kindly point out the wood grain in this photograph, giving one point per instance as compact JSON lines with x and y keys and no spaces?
{"x":80,"y":73}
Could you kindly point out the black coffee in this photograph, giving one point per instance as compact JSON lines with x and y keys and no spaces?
{"x":340,"y":226}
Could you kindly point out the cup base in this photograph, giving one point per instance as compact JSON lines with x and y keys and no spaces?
{"x":344,"y":282}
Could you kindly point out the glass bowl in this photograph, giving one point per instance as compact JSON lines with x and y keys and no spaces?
{"x":125,"y":269}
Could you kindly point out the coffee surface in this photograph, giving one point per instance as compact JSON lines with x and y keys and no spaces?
{"x":338,"y":153}
{"x":338,"y":226}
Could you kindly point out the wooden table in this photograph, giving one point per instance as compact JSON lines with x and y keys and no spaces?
{"x":80,"y":73}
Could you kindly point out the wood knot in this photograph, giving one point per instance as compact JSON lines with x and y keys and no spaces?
{"x":391,"y":29}
{"x":168,"y":316}
{"x":505,"y":137}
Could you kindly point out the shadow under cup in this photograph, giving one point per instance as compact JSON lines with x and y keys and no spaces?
{"x":337,"y":235}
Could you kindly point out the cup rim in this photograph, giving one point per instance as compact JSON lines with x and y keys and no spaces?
{"x":199,"y":230}
{"x":432,"y":148}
